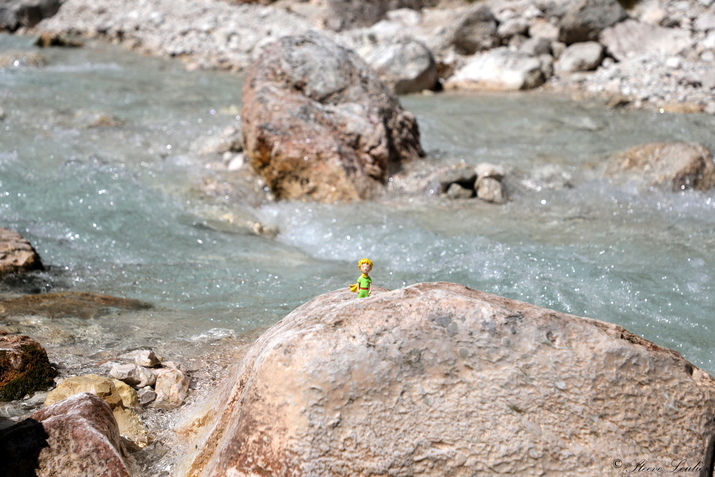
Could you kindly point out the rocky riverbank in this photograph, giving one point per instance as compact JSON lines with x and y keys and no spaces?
{"x":653,"y":54}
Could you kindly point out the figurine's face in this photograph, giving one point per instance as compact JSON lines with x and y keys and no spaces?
{"x":365,"y":268}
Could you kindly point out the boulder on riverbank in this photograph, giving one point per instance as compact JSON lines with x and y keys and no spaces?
{"x":439,"y":376}
{"x":319,"y":124}
{"x":16,"y":254}
{"x":677,"y":166}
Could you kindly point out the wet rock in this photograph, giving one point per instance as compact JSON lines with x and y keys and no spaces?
{"x":456,"y":191}
{"x":229,"y":141}
{"x":25,"y":13}
{"x":462,"y":176}
{"x":133,"y":375}
{"x":24,"y":367}
{"x":584,"y":56}
{"x":83,"y":439}
{"x":16,"y":254}
{"x":48,"y":39}
{"x":319,"y":124}
{"x":583,"y":20}
{"x":676,"y":166}
{"x":630,"y":38}
{"x":490,"y":189}
{"x":405,"y":64}
{"x":498,"y":70}
{"x":473,"y":31}
{"x":67,"y":304}
{"x":120,"y":403}
{"x":172,"y":387}
{"x":355,"y":387}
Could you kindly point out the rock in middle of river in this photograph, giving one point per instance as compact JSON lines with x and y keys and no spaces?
{"x":319,"y":124}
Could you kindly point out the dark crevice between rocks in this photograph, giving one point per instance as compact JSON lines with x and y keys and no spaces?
{"x":707,"y":470}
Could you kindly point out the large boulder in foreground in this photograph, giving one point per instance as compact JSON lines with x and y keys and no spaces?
{"x":24,"y":367}
{"x":83,"y":439}
{"x":319,"y":124}
{"x":16,"y":254}
{"x":439,"y":379}
{"x":673,"y":165}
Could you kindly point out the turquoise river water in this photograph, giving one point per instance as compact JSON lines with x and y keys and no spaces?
{"x":116,"y":209}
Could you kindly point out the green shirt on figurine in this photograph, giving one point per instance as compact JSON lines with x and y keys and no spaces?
{"x":363,"y":287}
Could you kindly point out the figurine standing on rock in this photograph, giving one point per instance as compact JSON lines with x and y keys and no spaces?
{"x":363,"y":287}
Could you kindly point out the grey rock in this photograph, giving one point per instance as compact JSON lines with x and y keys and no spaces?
{"x":345,"y":14}
{"x":460,"y":175}
{"x":474,"y":31}
{"x":541,"y":28}
{"x":456,"y":191}
{"x":146,"y":358}
{"x":513,"y":26}
{"x":583,"y":56}
{"x":490,"y":190}
{"x":583,"y":20}
{"x":705,"y":22}
{"x":146,"y":395}
{"x":133,"y":375}
{"x":25,"y":13}
{"x":536,"y":46}
{"x":486,"y":169}
{"x":631,"y":38}
{"x":404,"y":63}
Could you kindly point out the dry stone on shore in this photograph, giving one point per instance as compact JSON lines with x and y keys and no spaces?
{"x":319,"y":124}
{"x":439,"y":378}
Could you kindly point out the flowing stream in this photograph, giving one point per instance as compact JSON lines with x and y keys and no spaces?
{"x":114,"y":208}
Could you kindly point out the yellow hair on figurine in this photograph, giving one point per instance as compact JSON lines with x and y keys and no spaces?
{"x":365,"y":260}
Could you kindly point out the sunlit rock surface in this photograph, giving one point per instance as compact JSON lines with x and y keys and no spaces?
{"x":440,"y":379}
{"x":83,"y":439}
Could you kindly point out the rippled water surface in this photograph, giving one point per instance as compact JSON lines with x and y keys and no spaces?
{"x":114,"y":208}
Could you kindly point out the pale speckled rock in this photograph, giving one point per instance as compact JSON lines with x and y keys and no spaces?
{"x":439,"y":379}
{"x":133,"y":374}
{"x":630,"y":38}
{"x":16,"y":253}
{"x":120,"y":400}
{"x":677,"y":166}
{"x":172,"y":387}
{"x":83,"y":439}
{"x":582,"y":56}
{"x":491,"y":190}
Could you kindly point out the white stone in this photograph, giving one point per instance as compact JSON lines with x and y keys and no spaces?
{"x":583,"y":56}
{"x":172,"y":387}
{"x":499,"y":69}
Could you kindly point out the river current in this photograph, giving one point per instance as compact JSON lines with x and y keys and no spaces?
{"x":115,"y":209}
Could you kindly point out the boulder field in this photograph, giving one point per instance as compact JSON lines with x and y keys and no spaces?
{"x":440,"y":379}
